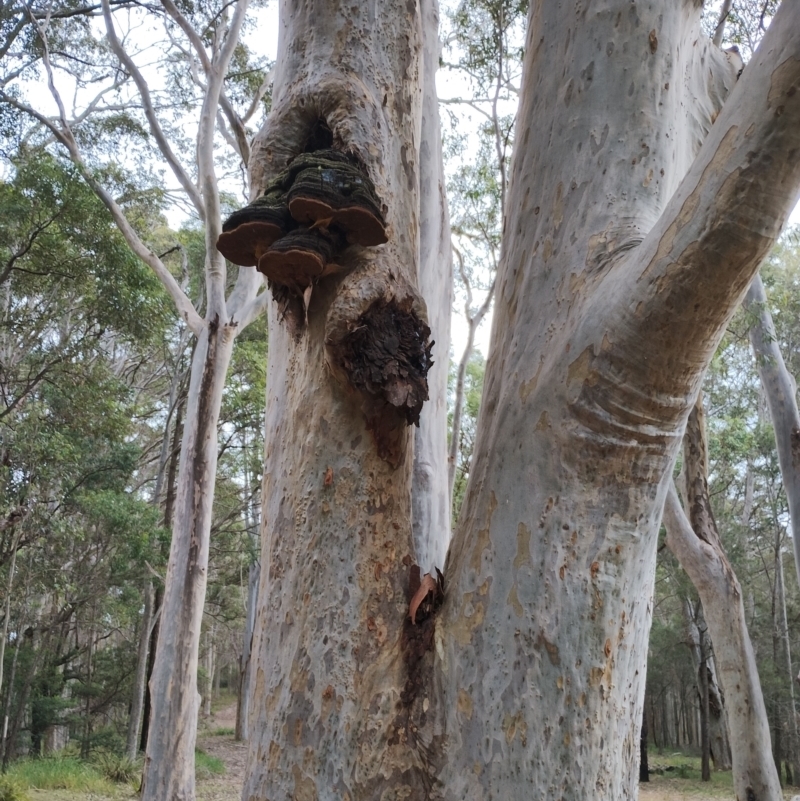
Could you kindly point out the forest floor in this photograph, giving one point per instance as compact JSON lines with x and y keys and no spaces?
{"x":679,"y":780}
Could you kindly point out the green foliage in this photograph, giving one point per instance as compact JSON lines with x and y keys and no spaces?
{"x":487,"y":36}
{"x":746,"y":23}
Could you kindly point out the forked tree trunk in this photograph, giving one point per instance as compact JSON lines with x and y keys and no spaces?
{"x":620,"y":270}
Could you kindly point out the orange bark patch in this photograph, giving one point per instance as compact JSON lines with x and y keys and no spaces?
{"x":513,"y":600}
{"x":304,"y":787}
{"x":464,"y":704}
{"x":470,"y":617}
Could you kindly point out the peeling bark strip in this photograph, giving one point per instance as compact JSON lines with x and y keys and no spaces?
{"x":386,"y":358}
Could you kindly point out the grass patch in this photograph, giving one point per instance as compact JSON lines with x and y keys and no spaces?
{"x":117,"y":768}
{"x":223,"y":731}
{"x":206,"y":765}
{"x":12,"y":790}
{"x":65,"y":773}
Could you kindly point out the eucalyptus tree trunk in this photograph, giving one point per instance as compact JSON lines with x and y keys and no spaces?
{"x":624,"y":257}
{"x":780,"y":391}
{"x":431,"y":492}
{"x":717,"y":719}
{"x":619,"y":272}
{"x":704,"y":559}
{"x":711,"y":573}
{"x":174,"y":700}
{"x":140,"y":677}
{"x":786,"y":716}
{"x":331,"y":712}
{"x":707,"y":565}
{"x":246,"y":661}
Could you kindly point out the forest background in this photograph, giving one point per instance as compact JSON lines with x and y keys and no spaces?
{"x":94,"y":371}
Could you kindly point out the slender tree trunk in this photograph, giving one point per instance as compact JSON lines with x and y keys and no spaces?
{"x":458,"y":406}
{"x":780,"y":390}
{"x":169,"y":762}
{"x":793,"y":746}
{"x":705,"y":736}
{"x":246,"y":661}
{"x":140,"y":679}
{"x":210,"y":667}
{"x":717,"y":719}
{"x":169,"y":516}
{"x":9,"y":695}
{"x":7,"y":611}
{"x":708,"y":567}
{"x":704,"y":560}
{"x":431,"y":492}
{"x":786,"y":717}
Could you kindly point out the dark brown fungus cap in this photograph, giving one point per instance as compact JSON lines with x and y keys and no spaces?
{"x":299,"y":258}
{"x":249,"y":232}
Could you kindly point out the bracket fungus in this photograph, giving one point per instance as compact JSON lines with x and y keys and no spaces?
{"x":321,"y":203}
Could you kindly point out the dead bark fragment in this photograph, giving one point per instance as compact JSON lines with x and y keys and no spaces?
{"x":386,"y":357}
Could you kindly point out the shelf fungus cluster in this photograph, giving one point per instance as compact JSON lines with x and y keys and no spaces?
{"x":294,"y":233}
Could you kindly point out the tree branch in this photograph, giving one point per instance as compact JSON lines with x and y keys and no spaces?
{"x":215,"y":263}
{"x":689,"y":274}
{"x":719,"y":31}
{"x":147,"y":104}
{"x":779,"y":388}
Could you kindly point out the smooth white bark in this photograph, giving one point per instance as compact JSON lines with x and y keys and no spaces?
{"x":780,"y":390}
{"x":619,"y":272}
{"x":754,"y":774}
{"x":174,"y":700}
{"x":430,"y":491}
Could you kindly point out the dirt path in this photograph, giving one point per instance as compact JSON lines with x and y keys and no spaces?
{"x":227,"y":786}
